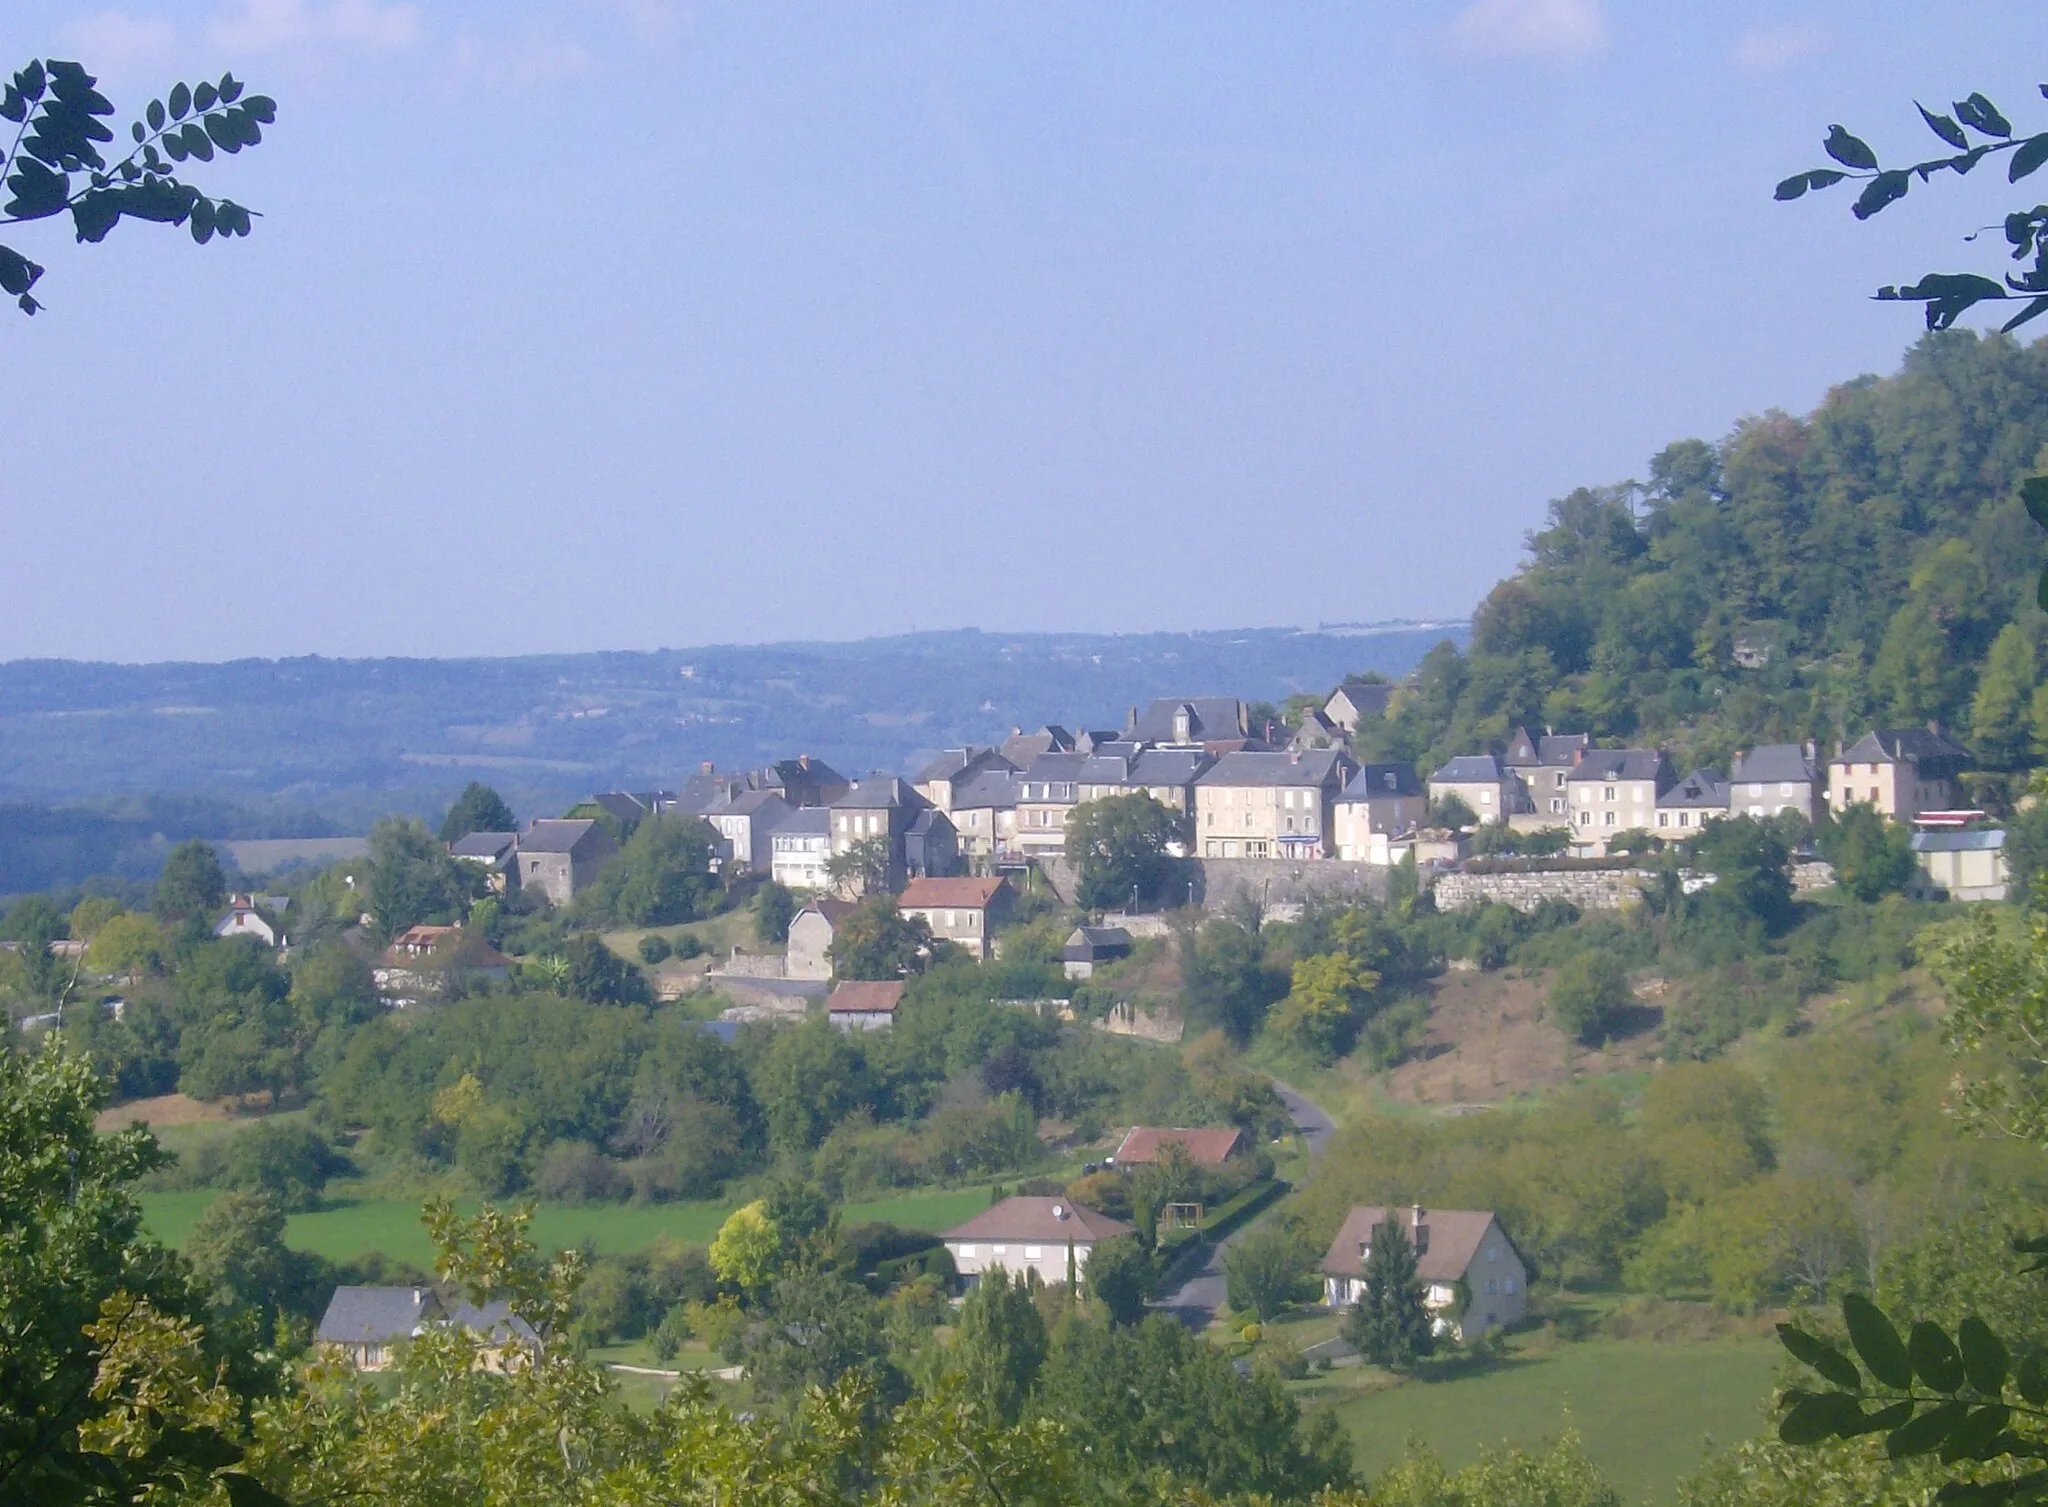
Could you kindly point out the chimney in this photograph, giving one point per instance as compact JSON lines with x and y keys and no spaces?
{"x":1934,"y":727}
{"x":803,"y":762}
{"x":706,"y":766}
{"x":1415,"y":1216}
{"x":1131,"y":719}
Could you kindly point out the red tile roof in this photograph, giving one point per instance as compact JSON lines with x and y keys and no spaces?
{"x":1054,"y":1221}
{"x":864,"y":996}
{"x":1143,"y":1144}
{"x":1453,"y":1240}
{"x":953,"y":894}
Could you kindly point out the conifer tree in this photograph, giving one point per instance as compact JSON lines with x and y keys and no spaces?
{"x":1390,"y":1327}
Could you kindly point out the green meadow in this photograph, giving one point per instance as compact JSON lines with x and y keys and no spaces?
{"x":349,"y":1227}
{"x":1645,"y":1410}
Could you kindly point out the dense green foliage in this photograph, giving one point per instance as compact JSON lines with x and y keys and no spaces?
{"x":1803,"y":577}
{"x":1388,"y":1325}
{"x":1120,"y":846}
{"x":478,"y":809}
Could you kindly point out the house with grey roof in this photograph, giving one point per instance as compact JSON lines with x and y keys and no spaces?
{"x":1088,"y":946}
{"x":1969,"y":864}
{"x":746,"y":824}
{"x":931,"y":846}
{"x":1489,"y":789}
{"x":954,"y":768}
{"x":1473,"y":1279}
{"x":1356,"y":700}
{"x":1615,"y":790}
{"x":496,"y":853}
{"x":1382,"y":803}
{"x":811,"y":931}
{"x":1774,"y":777}
{"x":364,"y":1326}
{"x":877,"y":807}
{"x":1020,"y":748}
{"x":1047,"y":790}
{"x":1270,"y":804}
{"x":559,"y":857}
{"x":984,"y":813}
{"x":1191,"y":720}
{"x":1543,"y":763}
{"x":799,"y":847}
{"x":1902,"y":771}
{"x":1699,"y":798}
{"x":1316,"y":730}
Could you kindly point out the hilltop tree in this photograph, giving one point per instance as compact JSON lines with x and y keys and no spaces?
{"x":1390,"y":1327}
{"x":1120,"y":847}
{"x":774,"y":909}
{"x":663,"y":875}
{"x":191,"y":885}
{"x":55,"y":166}
{"x":413,"y":881}
{"x":478,"y":809}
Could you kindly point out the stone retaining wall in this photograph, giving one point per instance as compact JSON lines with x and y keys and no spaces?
{"x":1588,"y":889}
{"x":1283,"y":881}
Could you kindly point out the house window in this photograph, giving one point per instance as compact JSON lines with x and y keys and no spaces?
{"x":1033,"y":1252}
{"x":1612,"y":793}
{"x":1610,"y":820}
{"x":1486,"y":797}
{"x":1664,"y":818}
{"x":1585,"y":818}
{"x":1492,"y":1286}
{"x":1556,"y":804}
{"x":966,"y":1252}
{"x":999,"y":1250}
{"x":1784,"y":787}
{"x":1873,"y":795}
{"x":1290,"y":822}
{"x":1508,"y":1285}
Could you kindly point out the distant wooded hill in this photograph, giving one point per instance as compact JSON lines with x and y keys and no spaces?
{"x":1870,"y":563}
{"x":322,"y":745}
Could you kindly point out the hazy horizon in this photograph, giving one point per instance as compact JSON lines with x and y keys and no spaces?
{"x":634,"y":323}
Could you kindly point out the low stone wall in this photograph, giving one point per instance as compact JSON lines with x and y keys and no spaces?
{"x":1816,"y":875}
{"x":1275,"y":882}
{"x":1588,"y":889}
{"x":752,"y":965}
{"x":1125,"y":1019}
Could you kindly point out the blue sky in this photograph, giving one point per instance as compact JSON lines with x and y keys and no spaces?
{"x":620,"y":325}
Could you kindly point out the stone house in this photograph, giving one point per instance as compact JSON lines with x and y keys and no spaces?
{"x":955,"y":768}
{"x":1615,"y":790}
{"x":931,"y":846}
{"x":1473,"y":1278}
{"x":1053,"y":1237}
{"x":1962,"y":865}
{"x":1189,"y":721}
{"x":1699,"y":798}
{"x":1088,"y":947}
{"x":1316,"y":730}
{"x":1488,"y":787}
{"x":1774,"y":777}
{"x":1902,"y":771}
{"x":363,"y":1327}
{"x":984,"y":813}
{"x":747,"y":823}
{"x":1382,"y":802}
{"x":559,"y":857}
{"x":1544,"y":764}
{"x":965,"y":912}
{"x":1270,"y":805}
{"x":1354,"y":701}
{"x":1047,"y":790}
{"x":799,"y":847}
{"x":811,"y":931}
{"x":496,"y":853}
{"x":864,"y":1004}
{"x":878,"y":806}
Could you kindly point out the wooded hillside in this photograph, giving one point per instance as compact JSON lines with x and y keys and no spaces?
{"x":1869,"y":563}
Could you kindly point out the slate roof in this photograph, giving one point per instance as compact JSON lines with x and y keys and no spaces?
{"x":1454,"y":1239}
{"x":1375,"y":781}
{"x":876,"y":792}
{"x":1209,"y":717}
{"x":1367,"y":696}
{"x":1981,"y":840}
{"x":1091,"y":944}
{"x":555,"y":834}
{"x":494,"y":1322}
{"x":955,"y":894}
{"x":1604,"y":764}
{"x":1702,"y":790}
{"x":629,"y":809}
{"x":954,"y":762}
{"x":992,"y":788}
{"x":747,"y":803}
{"x":1024,"y":1218}
{"x":1934,"y":753}
{"x":1143,"y":1144}
{"x":1058,"y":768}
{"x":1310,"y":768}
{"x":1772,"y":763}
{"x":1525,"y":751}
{"x":866,"y":997}
{"x":800,"y":771}
{"x":816,"y":821}
{"x":1470,"y":769}
{"x":491,"y":847}
{"x":834,"y":911}
{"x":1020,"y":748}
{"x":1168,"y":766}
{"x":375,"y":1315}
{"x":928,"y":821}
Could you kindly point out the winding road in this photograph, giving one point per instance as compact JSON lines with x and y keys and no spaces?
{"x":1196,"y":1300}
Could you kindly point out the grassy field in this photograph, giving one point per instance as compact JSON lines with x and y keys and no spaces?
{"x":1646,"y":1411}
{"x":352,"y":1227}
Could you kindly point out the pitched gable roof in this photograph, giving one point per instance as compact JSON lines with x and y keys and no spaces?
{"x":1602,"y":764}
{"x":1311,"y":767}
{"x":1453,"y":1238}
{"x":1207,"y":717}
{"x":1890,"y":745}
{"x":1144,"y":1143}
{"x":956,"y":894}
{"x":490,"y":847}
{"x":1470,"y":769}
{"x":375,"y":1315}
{"x":1769,"y":763}
{"x":1702,"y":790}
{"x":557,"y":834}
{"x":1053,"y":1221}
{"x":1376,"y":781}
{"x":866,"y":997}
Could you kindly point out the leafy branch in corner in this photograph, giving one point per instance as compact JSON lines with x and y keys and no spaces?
{"x":54,"y":164}
{"x":1976,"y":130}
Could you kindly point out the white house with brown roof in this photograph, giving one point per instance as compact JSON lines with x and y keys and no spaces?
{"x":964,"y":912}
{"x":1473,"y":1279}
{"x":864,"y":1004}
{"x":1053,"y":1237}
{"x":1143,"y":1145}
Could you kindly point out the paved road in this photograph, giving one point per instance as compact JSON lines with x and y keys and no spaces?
{"x":1196,"y":1300}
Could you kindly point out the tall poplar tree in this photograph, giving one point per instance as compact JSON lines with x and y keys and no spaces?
{"x":1390,"y":1327}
